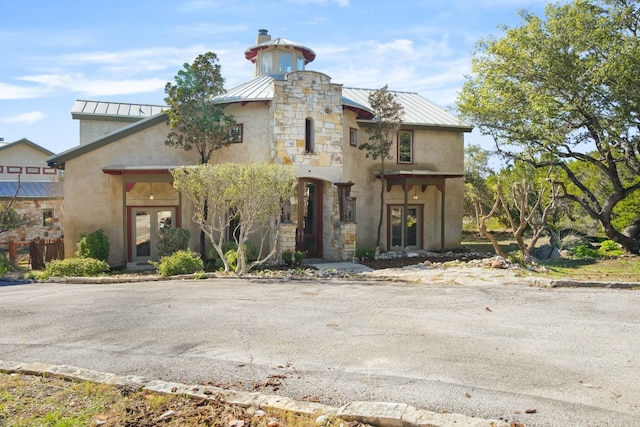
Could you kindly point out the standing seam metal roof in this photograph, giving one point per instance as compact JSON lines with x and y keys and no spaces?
{"x":120,"y":109}
{"x":31,"y":189}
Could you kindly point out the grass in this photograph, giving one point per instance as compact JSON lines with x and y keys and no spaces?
{"x":29,"y":400}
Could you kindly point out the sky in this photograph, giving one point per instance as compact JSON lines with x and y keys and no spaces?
{"x":55,"y":52}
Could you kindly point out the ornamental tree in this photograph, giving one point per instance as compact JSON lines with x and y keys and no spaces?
{"x":383,"y":132}
{"x":249,"y":195}
{"x":565,"y":89}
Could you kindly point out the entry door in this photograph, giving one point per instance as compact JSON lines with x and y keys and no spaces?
{"x":309,"y":232}
{"x":405,"y":229}
{"x":145,"y":225}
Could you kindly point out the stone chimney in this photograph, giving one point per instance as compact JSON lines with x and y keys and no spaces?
{"x":263,"y":36}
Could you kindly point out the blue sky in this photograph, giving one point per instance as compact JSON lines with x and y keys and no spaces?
{"x":54,"y":52}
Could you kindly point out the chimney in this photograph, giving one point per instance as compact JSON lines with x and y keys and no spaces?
{"x":263,"y":36}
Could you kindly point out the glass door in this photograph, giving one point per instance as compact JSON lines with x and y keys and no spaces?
{"x":146,"y":223}
{"x":309,"y":233}
{"x":405,"y":230}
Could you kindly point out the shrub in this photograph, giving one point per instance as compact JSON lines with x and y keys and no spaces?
{"x":250,"y":252}
{"x":293,"y":258}
{"x":365,"y":254}
{"x":180,"y":262}
{"x":584,"y":251}
{"x":5,"y":265}
{"x":609,"y":248}
{"x":170,"y":240}
{"x":93,"y":245}
{"x":76,"y":267}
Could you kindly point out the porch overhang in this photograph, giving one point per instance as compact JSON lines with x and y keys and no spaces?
{"x":407,"y":179}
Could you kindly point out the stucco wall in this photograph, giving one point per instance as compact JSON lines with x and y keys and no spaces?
{"x":92,"y":129}
{"x":433,"y":150}
{"x":25,"y":155}
{"x":94,"y":199}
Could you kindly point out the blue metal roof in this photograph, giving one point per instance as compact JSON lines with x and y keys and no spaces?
{"x":30,"y":189}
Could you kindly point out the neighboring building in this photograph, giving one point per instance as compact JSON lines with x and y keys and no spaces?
{"x":119,"y":179}
{"x":24,"y":174}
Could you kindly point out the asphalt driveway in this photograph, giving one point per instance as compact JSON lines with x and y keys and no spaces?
{"x":569,"y":357}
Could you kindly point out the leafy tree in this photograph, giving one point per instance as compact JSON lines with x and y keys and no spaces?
{"x":195,"y":121}
{"x":476,"y":173}
{"x":388,"y":114}
{"x":563,"y":90}
{"x":250,"y":195}
{"x":11,"y":219}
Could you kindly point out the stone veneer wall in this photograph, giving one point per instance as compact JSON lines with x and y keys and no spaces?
{"x":34,"y":208}
{"x":303,"y":95}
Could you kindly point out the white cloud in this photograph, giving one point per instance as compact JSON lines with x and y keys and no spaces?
{"x":96,"y":86}
{"x":25,"y":118}
{"x":8,"y":91}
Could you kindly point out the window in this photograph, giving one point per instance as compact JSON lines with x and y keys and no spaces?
{"x":405,"y":146}
{"x":308,"y":135}
{"x":286,"y":62}
{"x":266,"y":62}
{"x":14,"y":169}
{"x":33,"y":170}
{"x":47,"y":217}
{"x":300,"y":63}
{"x":235,"y":133}
{"x":353,"y":137}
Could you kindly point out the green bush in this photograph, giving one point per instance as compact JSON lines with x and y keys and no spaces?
{"x":76,"y":267}
{"x":93,"y":245}
{"x":293,"y":259}
{"x":170,"y":240}
{"x":365,"y":254}
{"x":250,"y":252}
{"x":609,"y":248}
{"x":5,"y":265}
{"x":584,"y":251}
{"x":180,"y":262}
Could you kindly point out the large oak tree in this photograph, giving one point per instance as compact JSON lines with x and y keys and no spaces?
{"x":566,"y":89}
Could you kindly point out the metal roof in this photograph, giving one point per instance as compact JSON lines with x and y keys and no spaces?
{"x":417,"y":109}
{"x":31,"y":189}
{"x":252,"y":52}
{"x":7,"y":145}
{"x":257,"y":89}
{"x":115,"y":109}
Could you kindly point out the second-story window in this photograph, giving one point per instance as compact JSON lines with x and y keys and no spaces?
{"x":285,"y":62}
{"x":308,"y":135}
{"x":266,"y":60}
{"x":405,"y":146}
{"x":353,"y":137}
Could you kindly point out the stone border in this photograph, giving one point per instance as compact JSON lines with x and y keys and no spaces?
{"x":380,"y":414}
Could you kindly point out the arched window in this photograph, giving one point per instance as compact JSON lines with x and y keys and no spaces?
{"x":308,"y":135}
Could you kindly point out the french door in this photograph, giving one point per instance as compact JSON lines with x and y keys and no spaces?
{"x":146,"y":223}
{"x":405,"y":228}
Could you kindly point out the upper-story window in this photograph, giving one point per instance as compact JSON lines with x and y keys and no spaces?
{"x":353,"y":137}
{"x":266,"y":61}
{"x":405,"y":146}
{"x":300,"y":63}
{"x":235,"y":133}
{"x":308,"y":135}
{"x":285,"y":64}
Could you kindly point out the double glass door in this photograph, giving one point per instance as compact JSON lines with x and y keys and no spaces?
{"x":405,"y":228}
{"x":146,"y":223}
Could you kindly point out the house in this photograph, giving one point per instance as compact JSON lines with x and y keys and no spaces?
{"x":118,"y":178}
{"x":37,"y":189}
